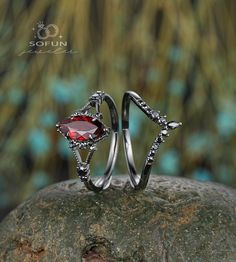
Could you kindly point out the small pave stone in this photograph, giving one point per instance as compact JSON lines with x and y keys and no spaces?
{"x":173,"y":124}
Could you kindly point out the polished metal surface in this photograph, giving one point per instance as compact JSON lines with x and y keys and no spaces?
{"x":140,"y":181}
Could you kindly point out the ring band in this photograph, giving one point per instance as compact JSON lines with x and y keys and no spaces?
{"x":84,"y":129}
{"x":140,"y":181}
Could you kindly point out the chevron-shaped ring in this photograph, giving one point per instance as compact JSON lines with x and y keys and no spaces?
{"x":140,"y":181}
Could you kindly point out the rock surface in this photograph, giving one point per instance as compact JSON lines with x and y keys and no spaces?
{"x":172,"y":220}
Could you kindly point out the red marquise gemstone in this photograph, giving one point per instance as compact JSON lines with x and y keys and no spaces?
{"x":82,"y":128}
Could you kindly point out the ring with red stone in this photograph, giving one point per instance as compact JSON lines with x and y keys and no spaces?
{"x":84,"y":129}
{"x":140,"y":181}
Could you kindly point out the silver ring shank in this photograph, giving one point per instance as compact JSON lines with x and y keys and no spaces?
{"x":104,"y":181}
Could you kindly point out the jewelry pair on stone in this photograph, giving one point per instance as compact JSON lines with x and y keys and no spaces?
{"x":84,"y":129}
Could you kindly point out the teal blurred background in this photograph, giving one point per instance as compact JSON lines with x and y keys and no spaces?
{"x":178,"y":55}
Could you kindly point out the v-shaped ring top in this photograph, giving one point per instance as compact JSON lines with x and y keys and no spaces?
{"x":84,"y":129}
{"x":140,"y":181}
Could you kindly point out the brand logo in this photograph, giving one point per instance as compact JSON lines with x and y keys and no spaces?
{"x":43,"y":32}
{"x":47,"y":36}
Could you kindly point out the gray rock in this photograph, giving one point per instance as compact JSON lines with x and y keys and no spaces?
{"x":174,"y":219}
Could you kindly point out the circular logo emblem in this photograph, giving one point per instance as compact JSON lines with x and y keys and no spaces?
{"x":45,"y":32}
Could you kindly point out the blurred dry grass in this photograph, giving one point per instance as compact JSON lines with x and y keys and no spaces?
{"x":178,"y":55}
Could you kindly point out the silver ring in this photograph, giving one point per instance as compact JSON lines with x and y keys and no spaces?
{"x":84,"y":129}
{"x":140,"y":181}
